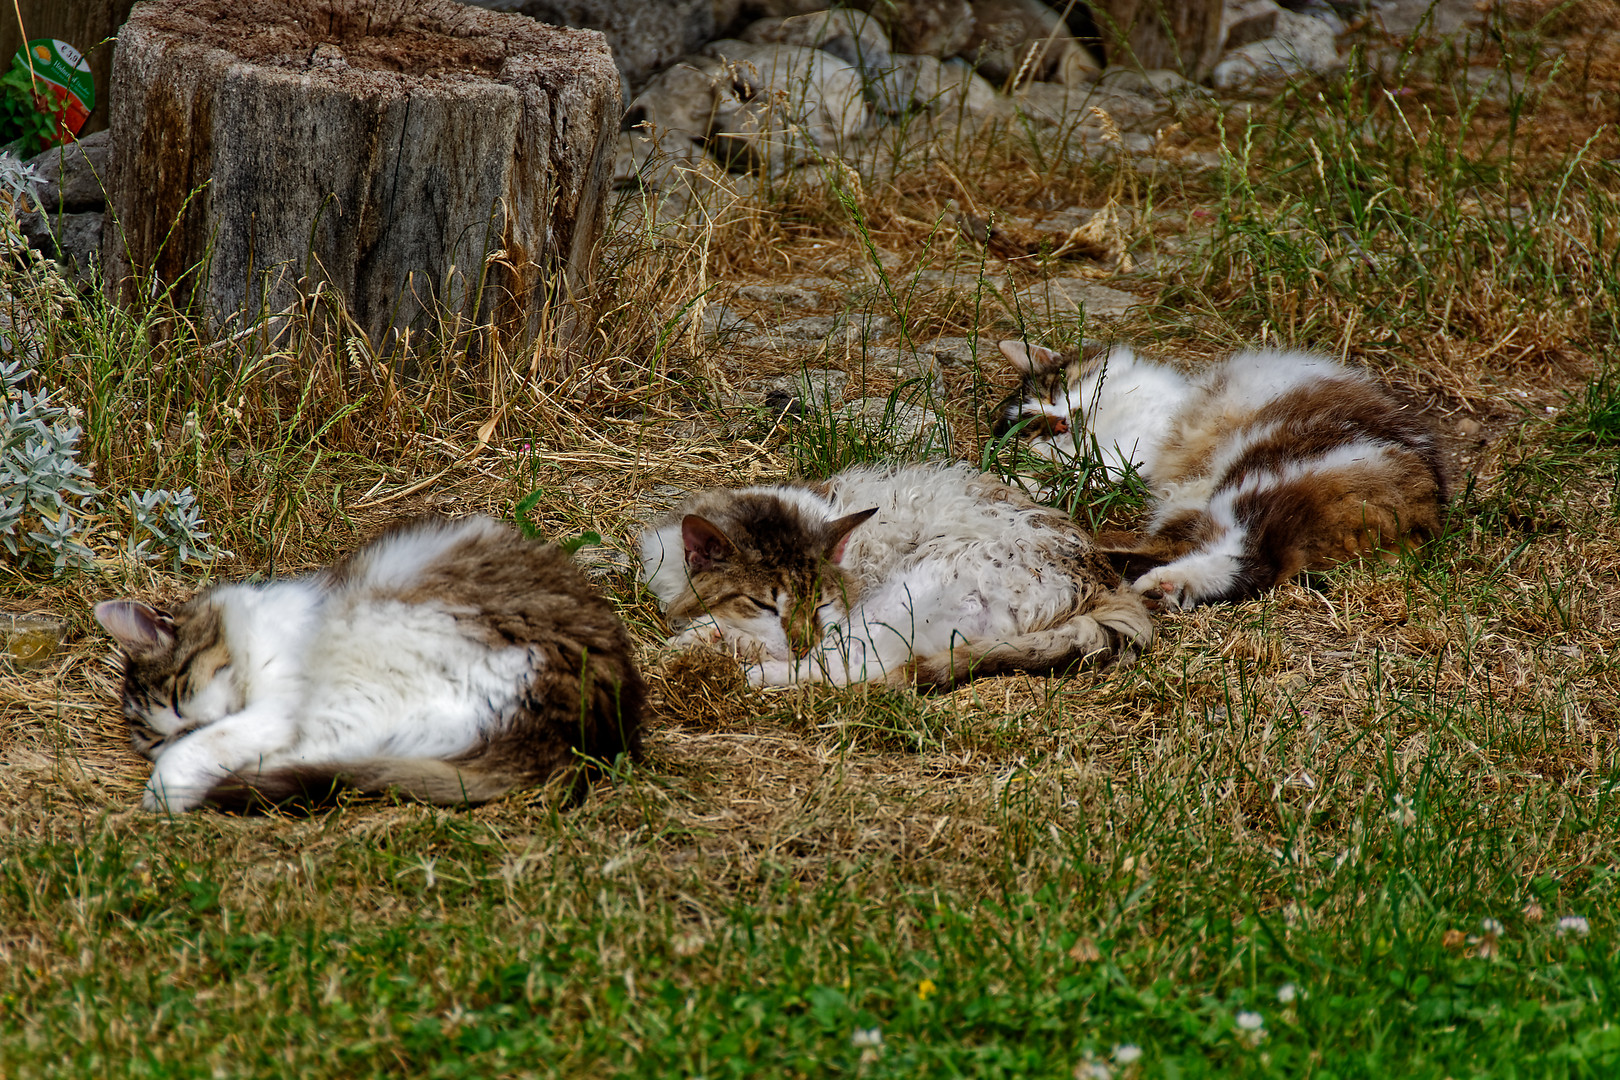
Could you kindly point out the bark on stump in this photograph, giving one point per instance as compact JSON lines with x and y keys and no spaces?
{"x":1181,"y":35}
{"x":398,"y":150}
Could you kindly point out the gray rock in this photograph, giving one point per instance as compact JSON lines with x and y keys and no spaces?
{"x":959,"y":352}
{"x":1061,"y":105}
{"x":719,"y":319}
{"x":923,"y":83}
{"x":1243,"y":21}
{"x":917,"y":367}
{"x":646,"y":36}
{"x":776,"y":97}
{"x":1301,"y":43}
{"x":812,"y":390}
{"x":75,"y":239}
{"x":1402,"y":17}
{"x":844,"y":329}
{"x":667,"y":125}
{"x":1012,"y":37}
{"x":853,"y":36}
{"x":779,"y":296}
{"x":901,"y":424}
{"x":1063,"y":297}
{"x":72,"y":176}
{"x":926,"y":27}
{"x":1157,"y":83}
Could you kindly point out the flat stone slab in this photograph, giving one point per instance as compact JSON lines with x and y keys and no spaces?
{"x":1065,"y":296}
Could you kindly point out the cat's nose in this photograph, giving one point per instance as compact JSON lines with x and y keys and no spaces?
{"x":1060,"y":427}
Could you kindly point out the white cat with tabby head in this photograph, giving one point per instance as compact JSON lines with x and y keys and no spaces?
{"x":926,"y":574}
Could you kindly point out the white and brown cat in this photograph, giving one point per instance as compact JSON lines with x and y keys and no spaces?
{"x":922,"y":574}
{"x":451,"y":661}
{"x":1263,"y":466}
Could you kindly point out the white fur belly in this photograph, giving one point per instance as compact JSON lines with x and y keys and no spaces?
{"x":398,"y":680}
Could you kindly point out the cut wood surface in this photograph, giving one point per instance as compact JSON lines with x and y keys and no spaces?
{"x":421,"y":158}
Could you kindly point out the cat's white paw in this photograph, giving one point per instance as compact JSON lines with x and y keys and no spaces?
{"x":701,"y":636}
{"x":1160,"y":592}
{"x":172,"y":798}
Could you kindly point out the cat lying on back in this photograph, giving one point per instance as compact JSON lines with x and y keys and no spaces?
{"x":449,"y":660}
{"x":926,"y":574}
{"x":1263,"y":466}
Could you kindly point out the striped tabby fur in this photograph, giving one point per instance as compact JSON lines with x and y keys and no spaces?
{"x":451,"y":661}
{"x":1263,"y":466}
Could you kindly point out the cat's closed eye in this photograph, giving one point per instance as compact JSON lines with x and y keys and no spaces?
{"x":768,"y":609}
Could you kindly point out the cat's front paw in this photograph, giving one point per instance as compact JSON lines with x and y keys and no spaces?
{"x":172,"y":798}
{"x":701,"y":636}
{"x":1162,"y":593}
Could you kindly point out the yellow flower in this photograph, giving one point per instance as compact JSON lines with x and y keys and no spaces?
{"x":925,"y":988}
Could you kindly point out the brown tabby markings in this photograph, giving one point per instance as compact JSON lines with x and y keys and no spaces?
{"x":583,"y":694}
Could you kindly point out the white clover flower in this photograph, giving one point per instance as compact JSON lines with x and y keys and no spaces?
{"x":1492,"y":926}
{"x":1250,"y":1021}
{"x":1127,"y":1053}
{"x":867,"y":1037}
{"x":1287,"y":992}
{"x":1092,"y":1069}
{"x":1401,"y":811}
{"x":1573,"y":924}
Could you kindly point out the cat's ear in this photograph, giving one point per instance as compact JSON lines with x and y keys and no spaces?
{"x":1027,"y":358}
{"x":838,"y":532}
{"x":140,"y":628}
{"x":705,"y":543}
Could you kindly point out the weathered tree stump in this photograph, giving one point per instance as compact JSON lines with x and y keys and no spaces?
{"x":420,"y":157}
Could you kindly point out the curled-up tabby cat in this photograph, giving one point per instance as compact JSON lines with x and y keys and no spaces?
{"x":925,"y":574}
{"x":451,"y":661}
{"x":1263,"y":466}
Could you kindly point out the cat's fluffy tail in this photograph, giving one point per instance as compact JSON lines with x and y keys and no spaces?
{"x":423,"y":779}
{"x":1111,"y":626}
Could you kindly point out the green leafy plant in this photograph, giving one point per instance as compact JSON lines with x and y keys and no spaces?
{"x":23,"y":120}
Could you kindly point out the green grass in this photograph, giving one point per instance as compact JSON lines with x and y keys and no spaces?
{"x":1303,"y":808}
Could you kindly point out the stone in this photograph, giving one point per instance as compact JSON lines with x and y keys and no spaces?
{"x":900,"y":424}
{"x":1026,"y":38}
{"x":940,"y":28}
{"x":1157,"y":83}
{"x":646,"y":36}
{"x":1301,"y":44}
{"x":1442,"y":18}
{"x":1061,"y":105}
{"x":719,"y":319}
{"x":1064,"y":297}
{"x":812,"y":390}
{"x":917,"y":369}
{"x":74,"y":239}
{"x":668,"y":123}
{"x":855,"y":37}
{"x":777,"y":97}
{"x":1244,"y":21}
{"x":779,"y":296}
{"x":960,"y":352}
{"x":73,"y":177}
{"x":924,"y":83}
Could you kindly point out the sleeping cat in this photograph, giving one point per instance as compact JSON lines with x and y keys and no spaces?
{"x":1263,"y":466}
{"x":925,"y":574}
{"x":450,"y":660}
